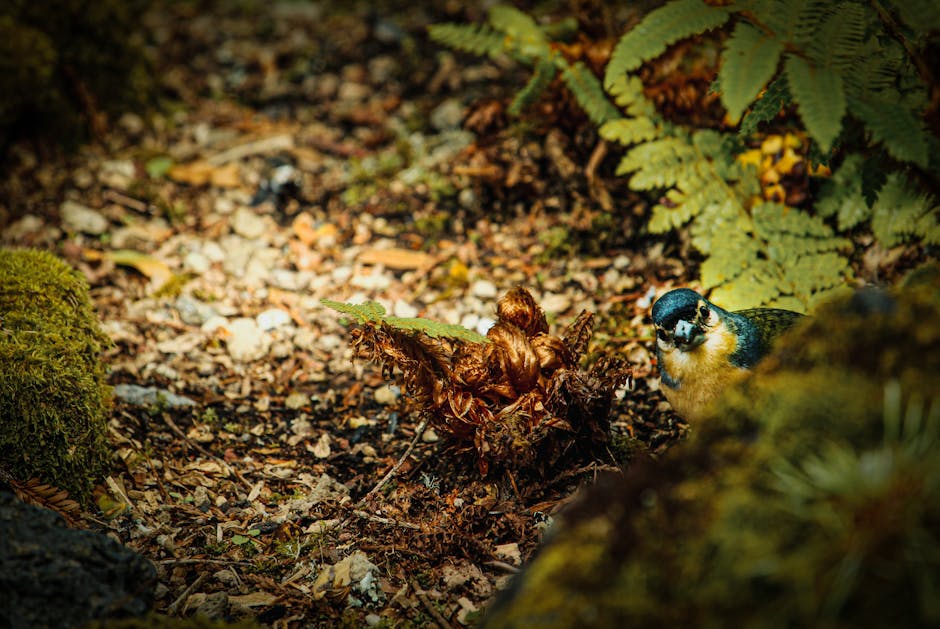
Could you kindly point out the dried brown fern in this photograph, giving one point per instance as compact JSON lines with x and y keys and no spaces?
{"x":34,"y":491}
{"x":518,"y":401}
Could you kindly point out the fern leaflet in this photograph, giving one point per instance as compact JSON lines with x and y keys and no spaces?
{"x":372,"y":312}
{"x":749,"y":61}
{"x":674,"y":21}
{"x":545,"y":72}
{"x":476,"y":39}
{"x":588,"y":92}
{"x":820,"y":98}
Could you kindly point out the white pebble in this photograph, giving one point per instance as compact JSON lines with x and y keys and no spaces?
{"x":246,"y":341}
{"x":402,"y":308}
{"x":273,"y":318}
{"x":483,"y":289}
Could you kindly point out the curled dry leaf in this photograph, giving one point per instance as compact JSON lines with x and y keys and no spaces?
{"x":520,"y":401}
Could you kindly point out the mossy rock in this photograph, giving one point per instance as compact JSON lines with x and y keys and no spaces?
{"x":53,"y":396}
{"x":811,"y":497}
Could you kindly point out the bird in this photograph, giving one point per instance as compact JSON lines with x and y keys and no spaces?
{"x":702,"y":349}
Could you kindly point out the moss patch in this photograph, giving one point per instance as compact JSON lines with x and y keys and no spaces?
{"x":53,"y":396}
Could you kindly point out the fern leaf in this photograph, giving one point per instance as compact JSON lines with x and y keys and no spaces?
{"x":749,"y":61}
{"x":374,"y":313}
{"x":527,"y":39}
{"x":544,"y":74}
{"x":476,"y":39}
{"x":627,"y":92}
{"x":588,"y":92}
{"x":659,"y":164}
{"x":841,"y":195}
{"x":895,"y":126}
{"x":629,"y":131}
{"x":820,"y":98}
{"x":771,"y":102}
{"x":436,"y":329}
{"x":648,"y":39}
{"x":900,"y":213}
{"x":788,"y":258}
{"x":839,"y":40}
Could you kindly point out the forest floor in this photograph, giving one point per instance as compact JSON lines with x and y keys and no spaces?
{"x":335,"y":155}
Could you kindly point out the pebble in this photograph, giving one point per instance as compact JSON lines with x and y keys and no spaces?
{"x":214,"y":323}
{"x":372,"y":282}
{"x":484,"y":324}
{"x":387,"y":394}
{"x":295,"y":401}
{"x":136,"y":395}
{"x":29,"y":224}
{"x":273,"y":318}
{"x":118,"y":173}
{"x":553,"y":302}
{"x":192,"y":311}
{"x":213,"y":251}
{"x":196,"y":262}
{"x":246,"y":341}
{"x":247,"y":224}
{"x":402,"y":308}
{"x":484,"y":289}
{"x":81,"y":218}
{"x":430,"y":435}
{"x":448,"y":115}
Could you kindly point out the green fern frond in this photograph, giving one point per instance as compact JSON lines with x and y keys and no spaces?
{"x":767,"y":107}
{"x":820,"y":99}
{"x":628,"y":131}
{"x":787,"y":259}
{"x":900,"y":131}
{"x":900,"y":213}
{"x":841,"y":196}
{"x":544,"y":74}
{"x":648,"y":39}
{"x":588,"y":92}
{"x":476,"y":39}
{"x":749,"y":61}
{"x":921,"y":16}
{"x":627,"y":92}
{"x":375,"y":313}
{"x":660,"y":163}
{"x":527,"y":39}
{"x":366,"y":312}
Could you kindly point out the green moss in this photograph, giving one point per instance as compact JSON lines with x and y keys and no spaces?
{"x":811,"y":497}
{"x":53,"y":397}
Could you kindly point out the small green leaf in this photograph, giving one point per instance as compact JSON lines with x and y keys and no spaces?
{"x":157,"y":167}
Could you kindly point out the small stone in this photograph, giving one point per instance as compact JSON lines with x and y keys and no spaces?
{"x":430,"y":435}
{"x":484,"y":289}
{"x":214,"y":323}
{"x":192,"y":311}
{"x":118,"y":173}
{"x":29,"y":224}
{"x":484,"y":324}
{"x":555,"y":303}
{"x":196,"y":262}
{"x":136,"y":395}
{"x":213,"y":252}
{"x":246,"y":341}
{"x":247,"y":224}
{"x":296,"y":400}
{"x":448,"y":115}
{"x":373,"y":620}
{"x":273,"y":318}
{"x":81,"y":218}
{"x":214,"y":607}
{"x":372,"y":282}
{"x":470,"y":320}
{"x":387,"y":394}
{"x":402,"y":308}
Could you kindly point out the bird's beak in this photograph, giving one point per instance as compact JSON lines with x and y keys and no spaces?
{"x":685,"y":332}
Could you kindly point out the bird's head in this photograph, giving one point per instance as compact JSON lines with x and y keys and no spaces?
{"x":682,"y":318}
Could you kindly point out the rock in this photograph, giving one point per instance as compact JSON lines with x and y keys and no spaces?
{"x":247,"y":224}
{"x":80,"y":218}
{"x":296,"y":400}
{"x":273,"y":318}
{"x":402,"y":308}
{"x":387,"y":394}
{"x":246,"y":341}
{"x":118,"y":173}
{"x":196,"y":262}
{"x":136,"y":395}
{"x":552,"y":302}
{"x":448,"y":115}
{"x":356,"y":573}
{"x":484,"y":289}
{"x":29,"y":224}
{"x":214,"y":607}
{"x":54,"y":576}
{"x":194,"y":312}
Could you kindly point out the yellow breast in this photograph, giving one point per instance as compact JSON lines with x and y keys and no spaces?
{"x":702,"y":374}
